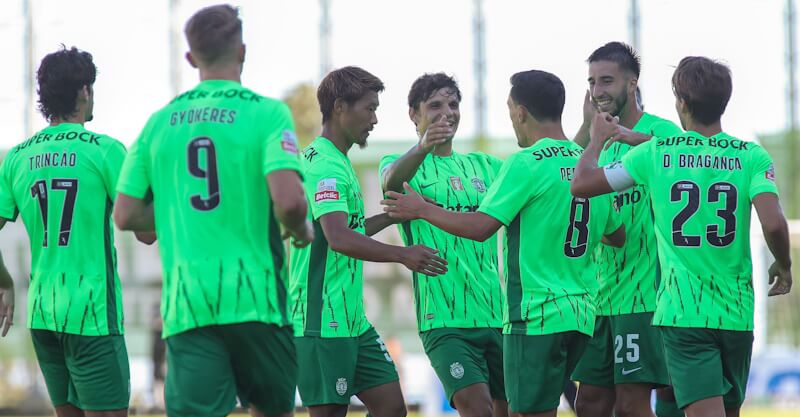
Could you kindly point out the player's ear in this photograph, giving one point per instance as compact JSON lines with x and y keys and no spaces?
{"x":339,"y":105}
{"x":632,"y":84}
{"x":190,"y":59}
{"x":242,"y":53}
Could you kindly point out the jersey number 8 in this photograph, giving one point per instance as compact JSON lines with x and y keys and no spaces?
{"x":581,"y":225}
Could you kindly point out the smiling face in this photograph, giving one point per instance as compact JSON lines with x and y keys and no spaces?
{"x":358,"y":118}
{"x":610,"y":87}
{"x":443,"y":103}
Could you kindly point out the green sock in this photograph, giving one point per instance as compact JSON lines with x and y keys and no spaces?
{"x":668,"y":408}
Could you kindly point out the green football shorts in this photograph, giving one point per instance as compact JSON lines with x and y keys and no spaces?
{"x":705,"y":363}
{"x":537,"y":368}
{"x":208,"y":367}
{"x":89,"y":372}
{"x":463,"y":357}
{"x":625,"y":349}
{"x":336,"y":368}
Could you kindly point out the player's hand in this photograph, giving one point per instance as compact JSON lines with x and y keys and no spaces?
{"x":780,"y":278}
{"x":422,"y":259}
{"x":6,"y":309}
{"x":627,"y":136}
{"x":302,"y":237}
{"x":437,"y":133}
{"x":589,"y":108}
{"x":603,"y":127}
{"x":408,"y":206}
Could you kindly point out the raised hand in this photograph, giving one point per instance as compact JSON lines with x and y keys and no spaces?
{"x":603,"y":127}
{"x":6,"y":309}
{"x":301,"y":237}
{"x":422,"y":259}
{"x":408,"y":206}
{"x":437,"y":133}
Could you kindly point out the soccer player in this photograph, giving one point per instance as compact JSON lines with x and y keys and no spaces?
{"x":223,"y":167}
{"x":624,"y":360}
{"x":702,"y":184}
{"x":549,"y":313}
{"x":459,"y":314}
{"x":62,"y":182}
{"x":340,"y":352}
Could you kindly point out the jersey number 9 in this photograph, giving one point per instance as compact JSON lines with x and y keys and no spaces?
{"x":209,"y":173}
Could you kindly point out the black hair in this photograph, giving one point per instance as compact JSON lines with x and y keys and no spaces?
{"x":621,"y":53}
{"x":427,"y":85}
{"x":540,"y":92}
{"x":60,"y":76}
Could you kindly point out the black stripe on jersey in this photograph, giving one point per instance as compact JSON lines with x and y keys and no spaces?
{"x":278,"y":260}
{"x":249,"y":283}
{"x":219,"y":289}
{"x":514,"y":288}
{"x":316,"y":280}
{"x":111,"y":294}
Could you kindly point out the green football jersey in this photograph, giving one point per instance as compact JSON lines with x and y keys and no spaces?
{"x":550,"y":273}
{"x":627,"y":275}
{"x":61,"y":180}
{"x":702,"y":190}
{"x":469,"y":295}
{"x":205,"y":157}
{"x":326,"y":286}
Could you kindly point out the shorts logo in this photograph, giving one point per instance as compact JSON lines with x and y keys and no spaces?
{"x":456,"y":370}
{"x":326,"y":190}
{"x":630,"y":371}
{"x":455,"y":183}
{"x":479,"y":185}
{"x":289,"y":142}
{"x":341,"y":386}
{"x":770,"y":174}
{"x":333,"y":325}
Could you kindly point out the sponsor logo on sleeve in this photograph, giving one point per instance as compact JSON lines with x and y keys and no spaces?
{"x":289,"y":142}
{"x":770,"y":173}
{"x":326,"y":190}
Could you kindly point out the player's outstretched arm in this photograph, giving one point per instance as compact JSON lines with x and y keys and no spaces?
{"x":776,"y":233}
{"x":377,"y":223}
{"x":616,"y":239}
{"x":291,"y":206}
{"x":589,"y":179}
{"x":134,"y":214}
{"x":341,"y":239}
{"x":411,"y":206}
{"x":6,"y":295}
{"x":404,"y":168}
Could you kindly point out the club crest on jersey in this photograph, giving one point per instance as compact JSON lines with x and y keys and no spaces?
{"x":455,"y":183}
{"x":341,"y":386}
{"x":770,"y":174}
{"x":289,"y":142}
{"x":479,"y":185}
{"x":457,"y":370}
{"x":326,"y":190}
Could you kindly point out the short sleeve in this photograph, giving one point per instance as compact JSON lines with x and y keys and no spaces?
{"x":664,"y":129}
{"x":762,"y":176}
{"x":114,"y":158}
{"x":494,"y":162}
{"x":281,"y":150}
{"x":134,"y":177}
{"x":638,"y":162}
{"x":510,"y":191}
{"x":386,"y":161}
{"x":326,"y":187}
{"x":8,"y":207}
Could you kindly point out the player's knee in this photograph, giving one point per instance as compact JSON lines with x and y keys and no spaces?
{"x":632,"y":408}
{"x":476,"y":409}
{"x":391,"y":409}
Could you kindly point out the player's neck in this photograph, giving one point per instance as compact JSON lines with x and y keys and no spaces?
{"x":73,"y":119}
{"x":227,"y":73}
{"x":445,"y":149}
{"x":336,"y":137}
{"x":545,"y":130}
{"x":706,"y":130}
{"x":630,"y":115}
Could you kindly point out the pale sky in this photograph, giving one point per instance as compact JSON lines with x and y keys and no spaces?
{"x":400,"y":40}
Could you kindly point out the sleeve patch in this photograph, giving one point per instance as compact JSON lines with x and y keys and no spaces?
{"x":289,"y":142}
{"x":326,"y":190}
{"x":770,"y":173}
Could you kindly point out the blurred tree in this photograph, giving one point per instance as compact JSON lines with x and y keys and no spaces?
{"x":302,"y":100}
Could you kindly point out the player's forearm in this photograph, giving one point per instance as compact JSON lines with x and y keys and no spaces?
{"x":293,"y":216}
{"x":132,"y":214}
{"x":582,"y":137}
{"x":403,"y":169}
{"x":777,"y":237}
{"x":467,"y":225}
{"x":358,"y":246}
{"x":5,"y":277}
{"x":586,"y":171}
{"x":377,"y":223}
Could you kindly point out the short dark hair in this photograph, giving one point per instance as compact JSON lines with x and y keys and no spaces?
{"x":213,"y":32}
{"x":621,"y":53}
{"x":347,"y":83}
{"x":60,"y":76}
{"x":704,"y":85}
{"x":425,"y":86}
{"x":540,"y":92}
